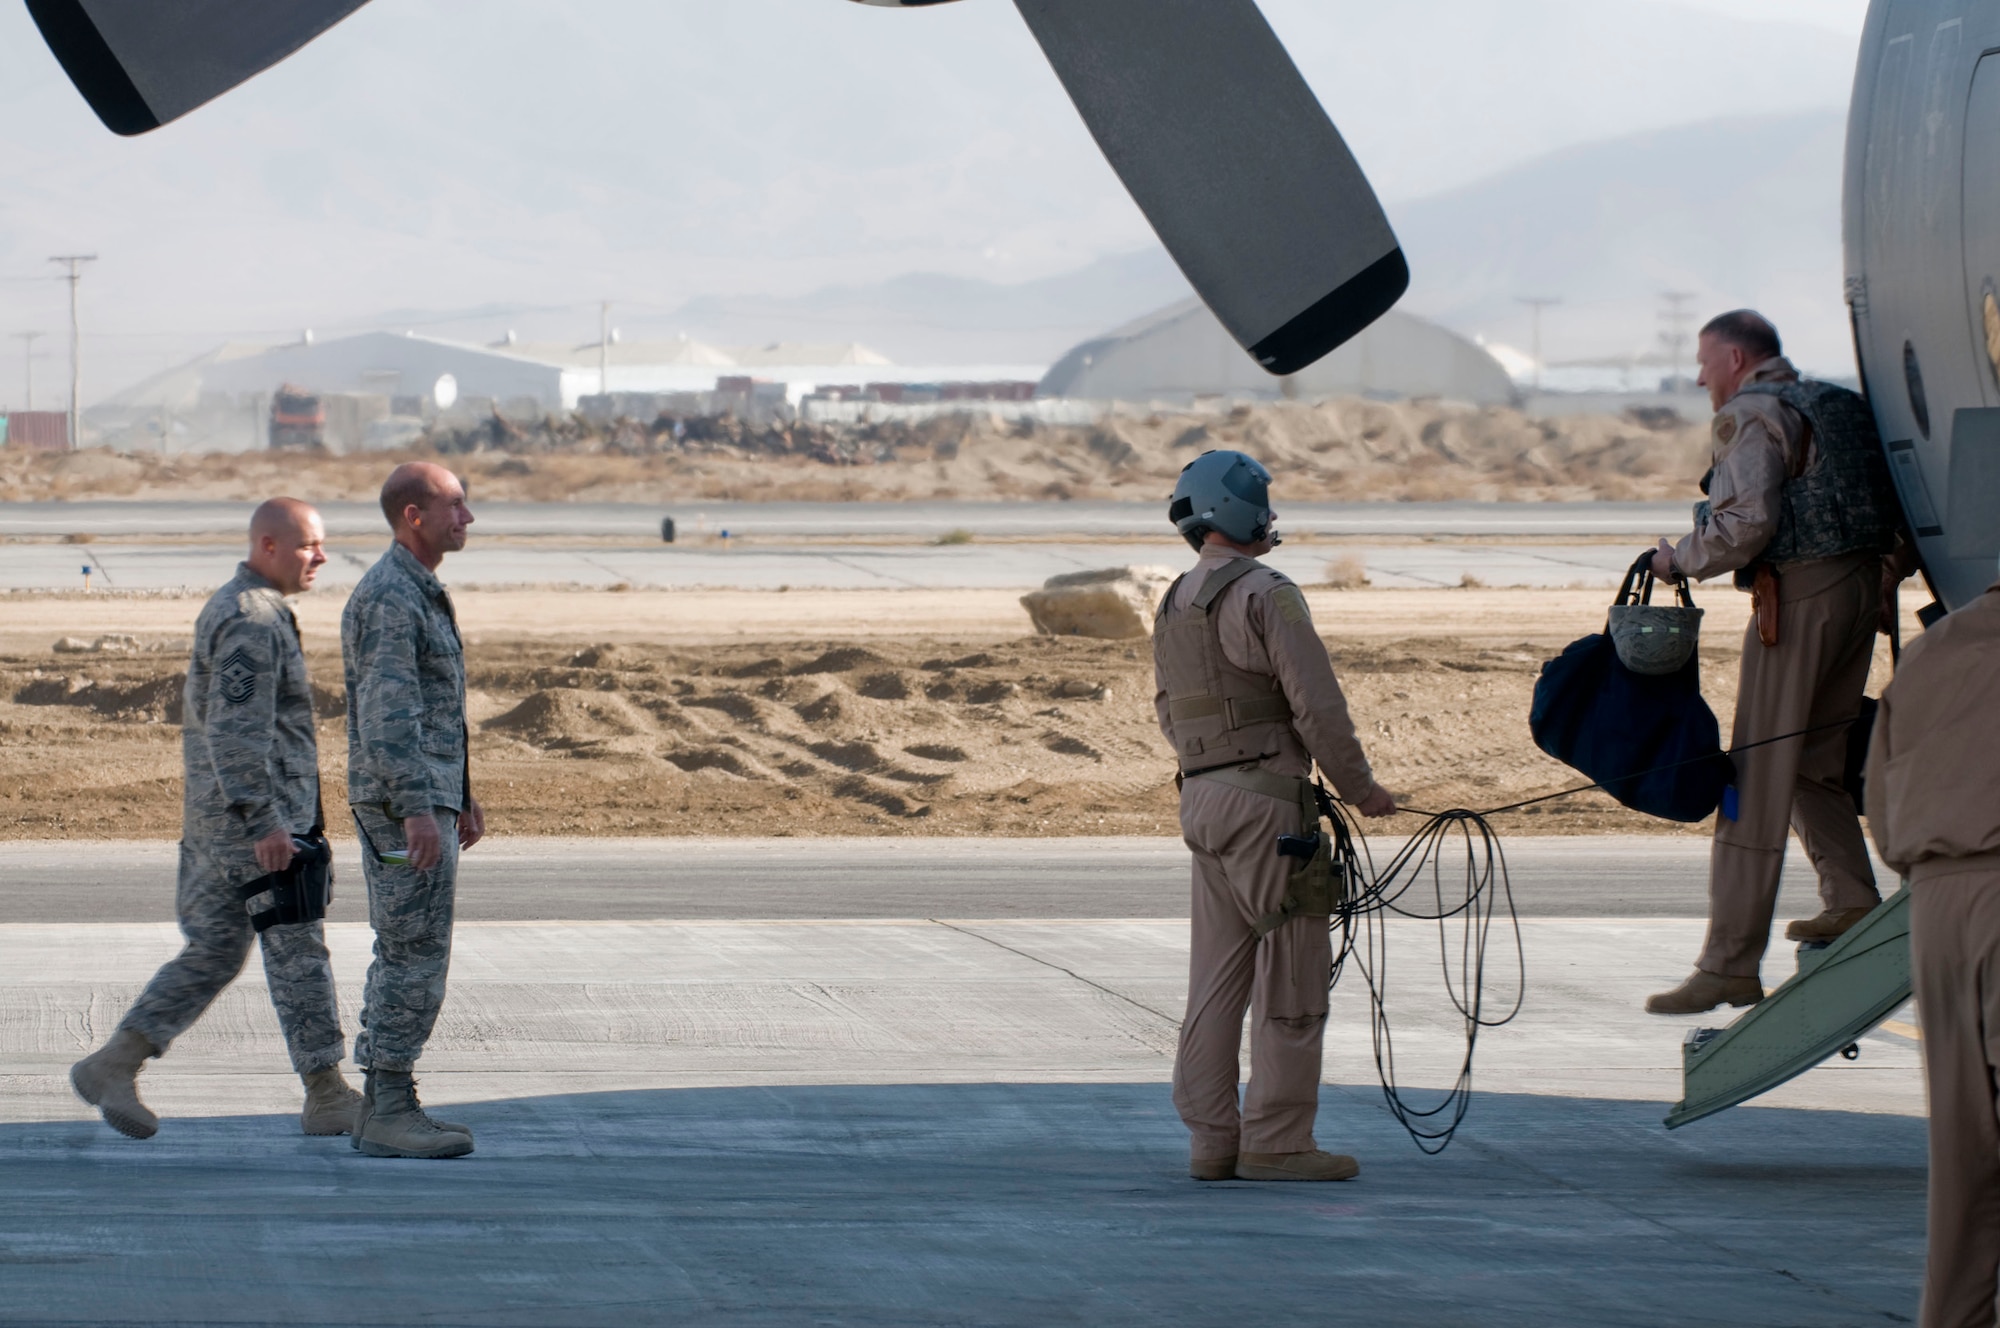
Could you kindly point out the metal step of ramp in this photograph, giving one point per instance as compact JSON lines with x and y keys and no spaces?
{"x":1838,"y":994}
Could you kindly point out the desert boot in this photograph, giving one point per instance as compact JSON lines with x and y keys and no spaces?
{"x":1313,"y":1165}
{"x":331,"y":1106}
{"x":1703,"y":991}
{"x":1831,"y":925}
{"x":1212,"y":1168}
{"x":108,"y":1079}
{"x":394,"y":1124}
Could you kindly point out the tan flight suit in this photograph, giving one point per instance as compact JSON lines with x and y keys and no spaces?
{"x":1239,"y":878}
{"x":1814,"y":676}
{"x":1934,"y":809}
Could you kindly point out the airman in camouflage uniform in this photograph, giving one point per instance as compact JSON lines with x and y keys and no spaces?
{"x":252,"y":782}
{"x":407,"y":777}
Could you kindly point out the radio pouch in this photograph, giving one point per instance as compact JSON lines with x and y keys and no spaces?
{"x":299,"y":893}
{"x":1316,"y":886}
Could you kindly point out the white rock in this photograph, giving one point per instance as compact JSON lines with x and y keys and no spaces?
{"x":1111,"y":603}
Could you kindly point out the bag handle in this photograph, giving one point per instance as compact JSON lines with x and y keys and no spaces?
{"x":1639,"y":582}
{"x":1641,"y":572}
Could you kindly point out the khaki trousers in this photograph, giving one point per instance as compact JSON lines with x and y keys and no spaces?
{"x":1281,"y":979}
{"x":1955,"y":957}
{"x":1814,"y":676}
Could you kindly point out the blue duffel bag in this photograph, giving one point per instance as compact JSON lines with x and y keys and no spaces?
{"x":1650,"y":741}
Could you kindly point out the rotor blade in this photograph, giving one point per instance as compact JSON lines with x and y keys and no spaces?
{"x":1230,"y":156}
{"x":141,"y":63}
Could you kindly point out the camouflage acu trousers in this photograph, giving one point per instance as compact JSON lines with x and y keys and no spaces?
{"x":411,"y":913}
{"x":218,"y":932}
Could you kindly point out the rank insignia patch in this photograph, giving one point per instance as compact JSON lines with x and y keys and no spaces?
{"x":238,"y":677}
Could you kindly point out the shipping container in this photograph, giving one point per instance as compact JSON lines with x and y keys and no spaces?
{"x":38,"y":430}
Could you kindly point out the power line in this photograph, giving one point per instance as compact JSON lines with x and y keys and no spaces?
{"x":75,"y":262}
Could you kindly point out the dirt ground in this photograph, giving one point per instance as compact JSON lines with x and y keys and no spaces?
{"x":823,"y":713}
{"x":1334,"y":450}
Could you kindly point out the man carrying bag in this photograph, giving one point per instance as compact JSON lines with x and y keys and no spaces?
{"x":1801,"y":511}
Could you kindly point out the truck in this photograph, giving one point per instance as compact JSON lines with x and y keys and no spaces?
{"x":298,"y":419}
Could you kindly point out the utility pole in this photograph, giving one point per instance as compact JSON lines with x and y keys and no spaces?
{"x":1538,"y":303}
{"x":604,"y":353}
{"x":75,"y":275}
{"x":1675,"y":319}
{"x":28,"y":340}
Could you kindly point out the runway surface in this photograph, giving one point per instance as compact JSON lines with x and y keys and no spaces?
{"x":849,"y":520}
{"x":924,"y":1082}
{"x":816,"y":567}
{"x":527,"y":880}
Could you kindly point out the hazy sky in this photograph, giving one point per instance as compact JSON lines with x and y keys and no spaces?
{"x":441,"y":155}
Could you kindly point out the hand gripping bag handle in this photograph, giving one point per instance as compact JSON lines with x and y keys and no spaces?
{"x":1638,"y":585}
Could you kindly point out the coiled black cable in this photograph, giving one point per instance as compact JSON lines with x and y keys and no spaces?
{"x":1466,"y":902}
{"x":1473,"y":904}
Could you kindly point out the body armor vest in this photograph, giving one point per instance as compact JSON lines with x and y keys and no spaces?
{"x":1217,"y":714}
{"x":1844,"y":501}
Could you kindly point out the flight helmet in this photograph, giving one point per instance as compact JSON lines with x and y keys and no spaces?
{"x":1222,"y":491}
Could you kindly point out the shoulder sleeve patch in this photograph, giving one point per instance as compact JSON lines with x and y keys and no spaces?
{"x":1725,"y":428}
{"x":238,"y":676}
{"x":1290,"y":602}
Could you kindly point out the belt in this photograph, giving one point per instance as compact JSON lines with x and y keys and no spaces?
{"x":1239,"y":710}
{"x":1930,"y":869}
{"x":1286,"y":788}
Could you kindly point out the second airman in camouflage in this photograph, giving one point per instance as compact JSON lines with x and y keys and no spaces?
{"x":407,"y":778}
{"x":252,"y":783}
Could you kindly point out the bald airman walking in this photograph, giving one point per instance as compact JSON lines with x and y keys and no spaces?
{"x":251,"y":806}
{"x":409,"y":782}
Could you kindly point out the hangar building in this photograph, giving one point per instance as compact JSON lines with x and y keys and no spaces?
{"x":1182,"y":352}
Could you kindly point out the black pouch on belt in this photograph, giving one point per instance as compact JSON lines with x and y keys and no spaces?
{"x":299,"y":893}
{"x":1318,"y":885}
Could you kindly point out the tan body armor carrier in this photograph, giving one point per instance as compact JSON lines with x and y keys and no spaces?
{"x":1217,"y":714}
{"x":1222,"y":717}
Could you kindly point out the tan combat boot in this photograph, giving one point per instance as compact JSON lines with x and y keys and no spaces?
{"x":331,"y":1106}
{"x":393,"y":1123}
{"x":1315,"y":1165}
{"x":108,"y":1079}
{"x":1828,"y":926}
{"x":1703,"y":991}
{"x":1212,"y":1168}
{"x":367,"y":1107}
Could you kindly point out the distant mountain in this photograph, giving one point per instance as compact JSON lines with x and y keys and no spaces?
{"x":1736,"y":212}
{"x":1733,"y":212}
{"x":929,"y":318}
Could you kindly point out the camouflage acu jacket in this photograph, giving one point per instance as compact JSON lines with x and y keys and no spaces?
{"x":247,"y":736}
{"x":405,"y":690}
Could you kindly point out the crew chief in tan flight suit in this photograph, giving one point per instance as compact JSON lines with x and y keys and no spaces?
{"x":1804,"y":524}
{"x":1247,"y":696}
{"x":1935,"y":814}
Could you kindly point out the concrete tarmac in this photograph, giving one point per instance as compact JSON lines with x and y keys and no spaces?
{"x":839,"y":520}
{"x":1022,"y":566}
{"x":826,"y":1081}
{"x":526,"y":880}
